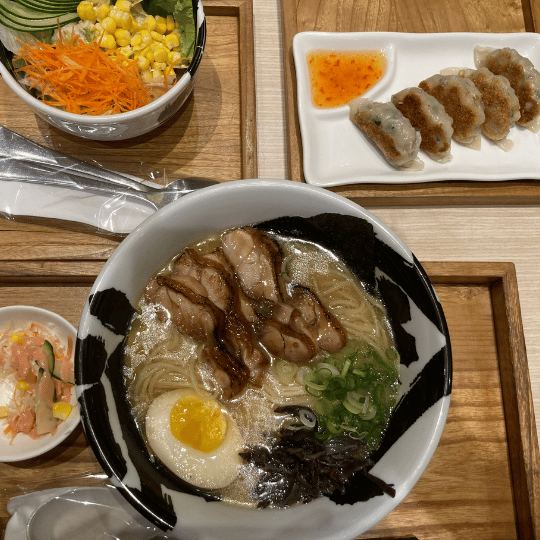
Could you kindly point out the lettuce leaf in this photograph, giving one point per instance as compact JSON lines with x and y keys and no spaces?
{"x":182,"y":11}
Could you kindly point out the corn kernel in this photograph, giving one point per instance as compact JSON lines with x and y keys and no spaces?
{"x":22,"y":385}
{"x":134,"y":25}
{"x":149,"y":23}
{"x":161,"y":54}
{"x":121,"y":33}
{"x":4,"y":411}
{"x":86,"y":12}
{"x":146,"y":75}
{"x":135,"y":40}
{"x":159,"y":66}
{"x":122,"y":19}
{"x":18,"y":338}
{"x":62,"y":410}
{"x":156,"y":36}
{"x":161,"y":24}
{"x":123,"y":5}
{"x":174,"y":58}
{"x":171,"y":24}
{"x":109,"y":24}
{"x":145,"y":36}
{"x":149,"y":54}
{"x":103,"y":11}
{"x":157,"y":74}
{"x":171,"y":41}
{"x":127,"y":50}
{"x":108,"y":41}
{"x":143,"y":63}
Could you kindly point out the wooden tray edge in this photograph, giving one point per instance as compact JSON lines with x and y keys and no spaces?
{"x":243,"y":10}
{"x":523,"y":449}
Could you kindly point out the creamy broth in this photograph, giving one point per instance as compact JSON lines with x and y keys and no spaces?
{"x":162,"y":358}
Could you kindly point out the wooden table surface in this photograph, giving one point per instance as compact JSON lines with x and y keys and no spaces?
{"x":464,"y":232}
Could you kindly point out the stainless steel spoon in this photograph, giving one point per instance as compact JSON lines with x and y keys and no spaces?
{"x":23,"y":160}
{"x":90,"y":513}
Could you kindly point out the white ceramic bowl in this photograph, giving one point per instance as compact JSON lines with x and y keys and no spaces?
{"x":124,"y":125}
{"x":415,"y":315}
{"x":23,"y":447}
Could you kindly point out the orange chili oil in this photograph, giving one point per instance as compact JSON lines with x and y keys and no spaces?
{"x":338,"y":77}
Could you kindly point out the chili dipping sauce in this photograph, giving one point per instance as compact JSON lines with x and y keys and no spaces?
{"x":338,"y":77}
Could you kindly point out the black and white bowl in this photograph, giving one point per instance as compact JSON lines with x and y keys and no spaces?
{"x":369,"y":248}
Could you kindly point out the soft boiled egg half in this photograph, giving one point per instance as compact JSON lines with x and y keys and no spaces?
{"x":195,"y":437}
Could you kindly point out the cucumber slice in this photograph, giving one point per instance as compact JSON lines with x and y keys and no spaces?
{"x":31,"y":29}
{"x":55,"y":366}
{"x":45,"y":8}
{"x":26,"y":12}
{"x":15,"y":22}
{"x":57,"y":373}
{"x":67,"y":5}
{"x":48,"y":351}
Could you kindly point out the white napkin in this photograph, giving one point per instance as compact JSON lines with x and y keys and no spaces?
{"x":116,"y":215}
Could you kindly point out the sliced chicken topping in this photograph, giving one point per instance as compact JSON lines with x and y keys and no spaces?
{"x":233,"y":299}
{"x":190,"y":312}
{"x":195,"y":315}
{"x":330,"y":333}
{"x":283,"y":342}
{"x":255,"y":258}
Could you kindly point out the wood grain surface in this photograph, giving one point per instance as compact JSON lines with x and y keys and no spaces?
{"x":483,"y":480}
{"x":406,"y":16}
{"x":213,"y":135}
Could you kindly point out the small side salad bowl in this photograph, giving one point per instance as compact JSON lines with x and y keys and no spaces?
{"x":125,"y":125}
{"x":23,"y":447}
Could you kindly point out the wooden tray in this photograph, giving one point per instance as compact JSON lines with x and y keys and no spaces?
{"x":213,"y":135}
{"x":406,"y":16}
{"x":484,"y":479}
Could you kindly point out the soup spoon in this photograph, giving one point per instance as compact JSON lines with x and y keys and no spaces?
{"x":90,"y":513}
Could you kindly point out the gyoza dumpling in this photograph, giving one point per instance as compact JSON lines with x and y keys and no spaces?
{"x":501,"y":105}
{"x":462,"y":101}
{"x":520,"y":72}
{"x":428,"y":116}
{"x":388,"y":129}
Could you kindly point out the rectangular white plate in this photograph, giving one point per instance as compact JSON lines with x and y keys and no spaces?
{"x":335,"y":152}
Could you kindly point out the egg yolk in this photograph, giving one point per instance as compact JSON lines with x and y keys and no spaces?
{"x":198,"y":423}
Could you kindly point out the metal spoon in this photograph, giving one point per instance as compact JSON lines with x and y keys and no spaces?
{"x":90,"y":513}
{"x":51,"y":175}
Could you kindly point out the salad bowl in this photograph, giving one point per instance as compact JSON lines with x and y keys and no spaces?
{"x":125,"y":125}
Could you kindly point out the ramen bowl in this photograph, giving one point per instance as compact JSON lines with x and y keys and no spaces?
{"x":358,"y":238}
{"x":124,"y":125}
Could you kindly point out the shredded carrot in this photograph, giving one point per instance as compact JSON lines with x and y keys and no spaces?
{"x":81,"y":78}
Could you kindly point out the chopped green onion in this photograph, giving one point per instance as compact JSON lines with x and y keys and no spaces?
{"x":286,"y":371}
{"x":356,"y":391}
{"x":346,"y":367}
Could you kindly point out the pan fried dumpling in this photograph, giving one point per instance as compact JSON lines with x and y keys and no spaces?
{"x":384,"y":124}
{"x":463,"y":103}
{"x":428,"y":116}
{"x":501,"y":105}
{"x":520,"y":72}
